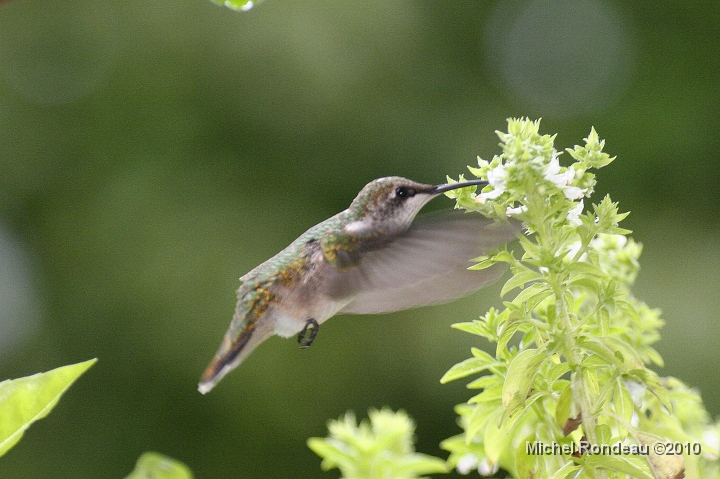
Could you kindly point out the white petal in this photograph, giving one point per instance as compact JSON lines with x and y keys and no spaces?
{"x":467,"y":463}
{"x":490,"y":195}
{"x":552,"y":175}
{"x":712,"y":439}
{"x":573,"y":215}
{"x":573,"y":192}
{"x":557,"y":180}
{"x":552,"y":169}
{"x":516,"y":211}
{"x":496,"y":177}
{"x":486,"y":469}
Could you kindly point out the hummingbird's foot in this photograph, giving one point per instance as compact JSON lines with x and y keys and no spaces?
{"x":313,"y":327}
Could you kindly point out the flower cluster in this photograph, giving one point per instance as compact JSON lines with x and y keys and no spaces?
{"x":534,"y":177}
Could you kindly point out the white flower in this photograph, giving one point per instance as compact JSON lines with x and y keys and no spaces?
{"x":486,"y":469}
{"x":553,"y":175}
{"x":573,"y":192}
{"x":609,"y":242}
{"x":467,"y":463}
{"x":496,"y":179}
{"x":562,"y":180}
{"x":490,"y":195}
{"x":573,"y":215}
{"x":553,"y":168}
{"x":516,"y":211}
{"x":712,"y":439}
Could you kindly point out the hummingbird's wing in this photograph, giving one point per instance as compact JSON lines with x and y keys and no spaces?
{"x":427,"y":264}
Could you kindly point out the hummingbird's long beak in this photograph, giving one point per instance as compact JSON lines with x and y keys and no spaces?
{"x":451,"y":186}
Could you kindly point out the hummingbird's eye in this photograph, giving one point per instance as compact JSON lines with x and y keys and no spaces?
{"x":404,"y":192}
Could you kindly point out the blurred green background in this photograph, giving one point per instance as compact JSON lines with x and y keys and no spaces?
{"x":153,"y":152}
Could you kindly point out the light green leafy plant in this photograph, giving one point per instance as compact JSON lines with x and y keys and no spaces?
{"x":568,"y":392}
{"x":382,"y":448}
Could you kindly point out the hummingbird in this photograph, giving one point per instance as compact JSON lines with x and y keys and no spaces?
{"x":373,"y":257}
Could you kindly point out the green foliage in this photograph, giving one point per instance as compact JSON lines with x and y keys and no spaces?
{"x":573,"y":345}
{"x":152,"y":465}
{"x":382,"y":448}
{"x":26,"y":400}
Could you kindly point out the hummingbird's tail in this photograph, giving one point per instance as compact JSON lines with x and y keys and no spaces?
{"x":220,"y":365}
{"x":233,"y":350}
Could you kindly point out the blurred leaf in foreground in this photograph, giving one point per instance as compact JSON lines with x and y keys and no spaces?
{"x":239,"y":5}
{"x":25,"y":400}
{"x":153,"y":465}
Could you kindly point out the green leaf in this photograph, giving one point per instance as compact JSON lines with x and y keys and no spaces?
{"x":599,"y":346}
{"x":495,"y":439}
{"x":474,"y":327}
{"x":483,"y":262}
{"x":519,"y":280}
{"x":603,"y":434}
{"x":623,"y":404}
{"x":153,"y":465}
{"x":531,"y":249}
{"x":492,"y":393}
{"x":483,"y":382}
{"x":25,"y":400}
{"x":483,"y":415}
{"x":470,"y":366}
{"x":508,"y":331}
{"x":525,"y":463}
{"x":629,"y":354}
{"x":564,"y":407}
{"x":503,"y":256}
{"x":654,"y":357}
{"x":587,"y":268}
{"x":583,"y":281}
{"x":535,"y":292}
{"x":332,"y":456}
{"x":418,"y":464}
{"x":520,"y":375}
{"x":511,"y":416}
{"x":567,"y":471}
{"x":617,"y":463}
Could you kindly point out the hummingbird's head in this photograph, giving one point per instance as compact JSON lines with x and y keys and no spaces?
{"x":389,"y":205}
